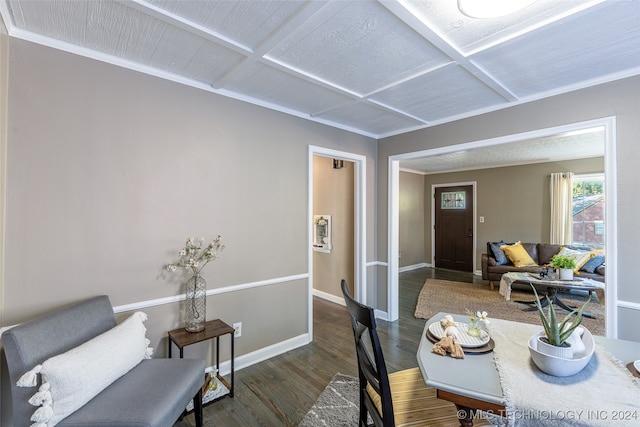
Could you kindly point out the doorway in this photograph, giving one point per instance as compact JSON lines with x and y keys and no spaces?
{"x":609,"y":124}
{"x":333,"y":207}
{"x":454,"y":227}
{"x":359,"y":227}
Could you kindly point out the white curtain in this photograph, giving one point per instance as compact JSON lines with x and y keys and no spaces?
{"x":560,"y":190}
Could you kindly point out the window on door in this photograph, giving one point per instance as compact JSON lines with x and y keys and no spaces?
{"x":588,"y":210}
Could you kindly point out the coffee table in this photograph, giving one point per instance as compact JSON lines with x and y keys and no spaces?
{"x":473,"y":383}
{"x":552,"y":287}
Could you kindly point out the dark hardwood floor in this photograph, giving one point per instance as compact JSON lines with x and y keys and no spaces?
{"x":280,"y":391}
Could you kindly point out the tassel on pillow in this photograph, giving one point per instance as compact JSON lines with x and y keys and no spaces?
{"x":30,"y":378}
{"x":43,"y":414}
{"x":149,"y":352}
{"x":42,"y":397}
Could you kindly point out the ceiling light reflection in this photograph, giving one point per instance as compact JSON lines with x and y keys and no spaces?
{"x":491,"y":8}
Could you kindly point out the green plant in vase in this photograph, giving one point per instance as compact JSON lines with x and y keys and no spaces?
{"x":562,"y":261}
{"x":565,"y":266}
{"x":558,"y":333}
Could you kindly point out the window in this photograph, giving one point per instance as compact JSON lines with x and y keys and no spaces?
{"x":588,"y":210}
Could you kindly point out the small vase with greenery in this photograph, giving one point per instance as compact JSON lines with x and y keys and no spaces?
{"x":556,"y":334}
{"x":563,"y":262}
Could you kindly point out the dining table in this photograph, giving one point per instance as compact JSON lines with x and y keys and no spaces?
{"x":474,"y":383}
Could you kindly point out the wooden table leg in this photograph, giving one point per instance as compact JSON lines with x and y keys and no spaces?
{"x":468,"y":406}
{"x":465,"y":416}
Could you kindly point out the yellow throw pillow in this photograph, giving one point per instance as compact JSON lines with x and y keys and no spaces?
{"x":580,"y":257}
{"x":518,"y":255}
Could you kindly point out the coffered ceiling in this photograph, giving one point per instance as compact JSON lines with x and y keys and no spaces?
{"x":377,"y":68}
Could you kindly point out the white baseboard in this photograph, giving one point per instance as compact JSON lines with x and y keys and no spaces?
{"x":382,"y":315}
{"x":413,"y":267}
{"x":263,"y":354}
{"x":329,"y":297}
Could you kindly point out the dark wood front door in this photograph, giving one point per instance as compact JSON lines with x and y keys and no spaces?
{"x":454,"y":228}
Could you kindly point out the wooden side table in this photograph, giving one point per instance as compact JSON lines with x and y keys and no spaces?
{"x":212,"y":329}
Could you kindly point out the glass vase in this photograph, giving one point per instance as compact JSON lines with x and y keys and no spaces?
{"x":474,"y":329}
{"x":196,"y":304}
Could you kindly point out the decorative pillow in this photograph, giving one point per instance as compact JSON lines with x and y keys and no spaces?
{"x":591,"y":265}
{"x":580,"y":257}
{"x":498,"y":254}
{"x":71,"y":379}
{"x":518,"y":255}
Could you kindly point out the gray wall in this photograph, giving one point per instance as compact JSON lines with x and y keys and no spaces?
{"x":110,"y":170}
{"x":4,"y":84}
{"x":412,"y":247}
{"x":513,"y":200}
{"x":620,"y":99}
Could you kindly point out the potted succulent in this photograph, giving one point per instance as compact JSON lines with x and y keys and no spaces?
{"x":565,"y":266}
{"x":554,"y":341}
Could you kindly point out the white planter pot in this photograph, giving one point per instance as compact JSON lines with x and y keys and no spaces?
{"x":559,"y":366}
{"x":564,"y":352}
{"x":565,"y":274}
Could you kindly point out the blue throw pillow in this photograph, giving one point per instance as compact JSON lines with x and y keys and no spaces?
{"x":591,"y":265}
{"x":498,"y":254}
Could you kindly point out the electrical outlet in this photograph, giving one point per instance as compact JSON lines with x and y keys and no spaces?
{"x":238,"y":329}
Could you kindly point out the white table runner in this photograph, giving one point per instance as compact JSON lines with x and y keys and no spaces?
{"x":604,"y":393}
{"x":507,"y":280}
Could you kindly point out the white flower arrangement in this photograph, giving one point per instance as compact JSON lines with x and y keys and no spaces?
{"x":483,"y":317}
{"x":196,"y":255}
{"x":474,"y":329}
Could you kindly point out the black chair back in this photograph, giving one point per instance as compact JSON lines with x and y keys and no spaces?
{"x":371,"y":370}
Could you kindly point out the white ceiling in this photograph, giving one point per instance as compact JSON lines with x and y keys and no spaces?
{"x":377,"y":68}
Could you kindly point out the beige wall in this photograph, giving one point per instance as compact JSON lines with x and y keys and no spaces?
{"x":620,"y":99}
{"x":333,"y":194}
{"x":513,"y":200}
{"x":110,"y":170}
{"x":412,"y":195}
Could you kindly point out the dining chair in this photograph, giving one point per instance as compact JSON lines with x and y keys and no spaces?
{"x":395,"y":399}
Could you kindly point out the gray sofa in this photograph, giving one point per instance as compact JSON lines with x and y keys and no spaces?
{"x":541,"y":253}
{"x":154,"y":393}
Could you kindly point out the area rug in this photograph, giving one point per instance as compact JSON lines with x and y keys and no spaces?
{"x":336,"y":406}
{"x":457,"y":297}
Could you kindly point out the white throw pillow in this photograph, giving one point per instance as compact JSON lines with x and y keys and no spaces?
{"x":580,"y":257}
{"x":71,"y":379}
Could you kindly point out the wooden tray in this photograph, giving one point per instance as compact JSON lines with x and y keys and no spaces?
{"x":488,"y":347}
{"x":633,"y":370}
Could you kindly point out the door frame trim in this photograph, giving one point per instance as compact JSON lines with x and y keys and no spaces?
{"x":360,"y":224}
{"x":473,"y":185}
{"x":611,"y":227}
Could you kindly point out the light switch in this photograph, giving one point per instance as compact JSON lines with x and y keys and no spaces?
{"x":481,"y":219}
